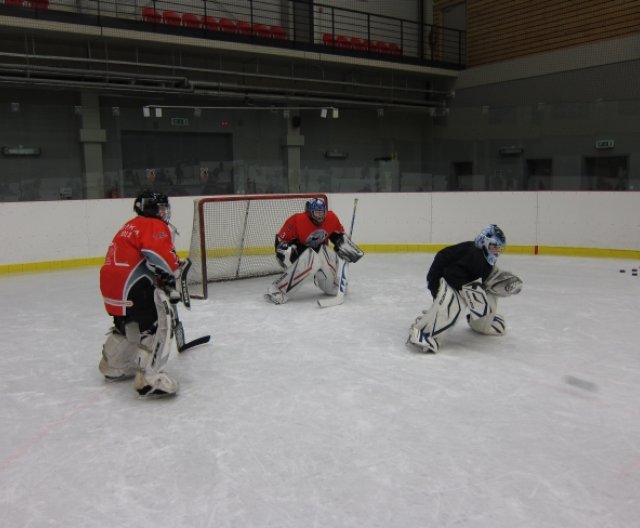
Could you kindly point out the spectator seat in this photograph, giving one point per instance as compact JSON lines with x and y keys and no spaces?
{"x":189,"y":20}
{"x":243,"y":28}
{"x":210,"y":23}
{"x":151,"y":16}
{"x":278,"y":33}
{"x":227,"y":25}
{"x":261,"y":30}
{"x":171,"y":18}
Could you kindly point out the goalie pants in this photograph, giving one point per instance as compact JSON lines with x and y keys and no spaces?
{"x":322,"y":266}
{"x":429,"y":329}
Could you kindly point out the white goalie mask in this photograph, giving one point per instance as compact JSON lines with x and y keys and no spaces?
{"x":492,"y":242}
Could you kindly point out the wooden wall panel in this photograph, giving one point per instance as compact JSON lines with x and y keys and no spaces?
{"x":498,"y":30}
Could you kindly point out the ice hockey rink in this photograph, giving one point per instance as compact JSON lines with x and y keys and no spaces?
{"x":299,"y":417}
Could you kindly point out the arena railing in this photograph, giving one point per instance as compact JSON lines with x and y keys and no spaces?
{"x":291,"y":24}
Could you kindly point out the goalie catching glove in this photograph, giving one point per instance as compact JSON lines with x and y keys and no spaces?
{"x":502,"y":283}
{"x":346,"y":249}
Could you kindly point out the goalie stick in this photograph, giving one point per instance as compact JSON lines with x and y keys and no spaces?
{"x":342,"y":272}
{"x":178,"y":329}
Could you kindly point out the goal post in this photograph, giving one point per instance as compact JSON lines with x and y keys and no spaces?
{"x":233,"y":236}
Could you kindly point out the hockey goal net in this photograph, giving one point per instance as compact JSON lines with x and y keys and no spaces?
{"x":233,"y":236}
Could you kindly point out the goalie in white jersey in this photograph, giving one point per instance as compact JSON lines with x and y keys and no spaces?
{"x":465,"y":277}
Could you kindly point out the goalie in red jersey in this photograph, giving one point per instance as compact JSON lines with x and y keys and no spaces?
{"x":137,"y":282}
{"x":302,"y":249}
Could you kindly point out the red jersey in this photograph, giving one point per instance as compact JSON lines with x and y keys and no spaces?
{"x":300,"y":228}
{"x":142,"y":245}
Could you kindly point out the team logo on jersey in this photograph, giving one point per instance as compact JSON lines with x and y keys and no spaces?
{"x":316,"y":238}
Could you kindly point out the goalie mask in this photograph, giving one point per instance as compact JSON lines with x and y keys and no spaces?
{"x":316,"y":208}
{"x":492,"y":242}
{"x":154,"y":205}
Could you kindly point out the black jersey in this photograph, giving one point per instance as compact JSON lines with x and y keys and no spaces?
{"x":458,"y":264}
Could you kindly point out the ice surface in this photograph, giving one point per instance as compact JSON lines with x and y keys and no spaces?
{"x":299,"y":417}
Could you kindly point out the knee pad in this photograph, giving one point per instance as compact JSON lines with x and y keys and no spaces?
{"x":491,"y":323}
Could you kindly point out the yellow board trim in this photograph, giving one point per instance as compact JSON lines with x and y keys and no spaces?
{"x":58,"y":265}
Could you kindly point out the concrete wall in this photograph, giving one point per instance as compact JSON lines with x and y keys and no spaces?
{"x":66,"y":233}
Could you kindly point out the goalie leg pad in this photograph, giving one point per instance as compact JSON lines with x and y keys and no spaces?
{"x":301,"y":270}
{"x":326,"y":278}
{"x":153,"y":353}
{"x":491,"y":323}
{"x":429,"y":329}
{"x":119,"y":357}
{"x":503,"y":283}
{"x":476,"y":300}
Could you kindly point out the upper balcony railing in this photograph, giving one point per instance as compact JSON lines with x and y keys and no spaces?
{"x":291,"y":24}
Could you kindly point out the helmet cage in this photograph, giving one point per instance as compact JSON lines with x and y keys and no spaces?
{"x":153,"y":205}
{"x":316,"y":209}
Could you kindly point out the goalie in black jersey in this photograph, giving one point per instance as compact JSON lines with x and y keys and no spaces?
{"x":465,"y":277}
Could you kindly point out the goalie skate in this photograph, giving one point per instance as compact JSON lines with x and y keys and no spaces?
{"x":156,"y":385}
{"x":419,"y":340}
{"x":275,"y":297}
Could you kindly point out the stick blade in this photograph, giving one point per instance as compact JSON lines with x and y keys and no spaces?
{"x":199,"y":341}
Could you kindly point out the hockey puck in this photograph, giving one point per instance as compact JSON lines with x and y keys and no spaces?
{"x":581,"y":383}
{"x":623,"y":271}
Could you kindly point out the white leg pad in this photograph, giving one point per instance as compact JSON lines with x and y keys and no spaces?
{"x":326,"y":278}
{"x":491,"y":323}
{"x":119,"y":358}
{"x":429,"y":329}
{"x":154,"y":352}
{"x":475,"y":297}
{"x":295,"y":275}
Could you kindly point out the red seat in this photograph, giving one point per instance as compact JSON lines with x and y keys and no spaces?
{"x":358,"y":44}
{"x":243,"y":27}
{"x":171,"y":18}
{"x":278,"y":33}
{"x":39,"y":4}
{"x":190,"y":20}
{"x":227,"y":25}
{"x":380,"y":47}
{"x":343,"y":42}
{"x":261,"y":30}
{"x":394,"y":49}
{"x":15,"y":3}
{"x":150,"y":15}
{"x":210,"y":23}
{"x":327,"y":39}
